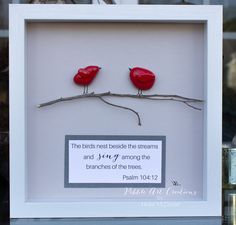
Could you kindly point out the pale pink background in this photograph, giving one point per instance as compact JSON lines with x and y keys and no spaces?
{"x":54,"y":53}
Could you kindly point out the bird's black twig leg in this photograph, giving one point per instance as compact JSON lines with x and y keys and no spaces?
{"x":140,"y":92}
{"x":85,"y":89}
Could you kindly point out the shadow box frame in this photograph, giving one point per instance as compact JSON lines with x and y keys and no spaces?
{"x":209,"y":16}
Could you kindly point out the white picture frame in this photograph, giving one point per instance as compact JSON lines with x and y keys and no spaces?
{"x":210,"y":16}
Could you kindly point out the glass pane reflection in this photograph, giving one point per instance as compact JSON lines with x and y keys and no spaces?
{"x":121,"y":221}
{"x":190,"y":2}
{"x":229,"y":13}
{"x":4,"y":13}
{"x":4,"y":127}
{"x":229,"y":90}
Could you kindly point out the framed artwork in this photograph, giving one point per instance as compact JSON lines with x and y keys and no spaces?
{"x":115,"y":111}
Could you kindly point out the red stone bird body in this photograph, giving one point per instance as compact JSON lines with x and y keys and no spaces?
{"x":142,"y":78}
{"x":85,"y":76}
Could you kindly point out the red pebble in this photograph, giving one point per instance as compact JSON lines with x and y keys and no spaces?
{"x":142,"y":78}
{"x":86,"y":75}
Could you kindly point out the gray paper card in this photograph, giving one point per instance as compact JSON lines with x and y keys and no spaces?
{"x":98,"y":161}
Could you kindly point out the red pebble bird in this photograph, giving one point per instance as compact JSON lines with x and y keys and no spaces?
{"x":85,"y":76}
{"x":142,"y":78}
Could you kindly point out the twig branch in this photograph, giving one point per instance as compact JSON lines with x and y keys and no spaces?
{"x":191,"y":106}
{"x":122,"y":107}
{"x":186,"y":102}
{"x":156,"y":97}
